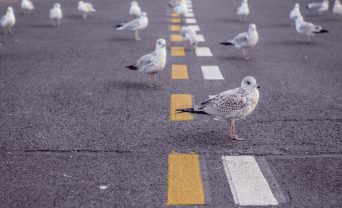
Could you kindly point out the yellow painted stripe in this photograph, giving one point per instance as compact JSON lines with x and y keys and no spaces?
{"x":179,"y":71}
{"x":174,"y":14}
{"x":178,"y":101}
{"x":176,"y":38}
{"x":175,"y":28}
{"x":175,"y":20}
{"x":177,"y":51}
{"x":185,"y":186}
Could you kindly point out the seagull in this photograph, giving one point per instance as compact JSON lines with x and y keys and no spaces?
{"x":135,"y":9}
{"x":295,"y":12}
{"x":135,"y":25}
{"x":8,"y":20}
{"x":152,"y":63}
{"x":337,"y":9}
{"x":27,"y":6}
{"x":181,"y":9}
{"x":85,"y":8}
{"x":243,"y":10}
{"x":245,"y":40}
{"x":319,"y":6}
{"x":56,"y":14}
{"x":230,"y":105}
{"x":307,"y":28}
{"x":189,"y":35}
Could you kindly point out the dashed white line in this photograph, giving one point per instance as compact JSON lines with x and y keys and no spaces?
{"x":190,"y":21}
{"x":247,"y":183}
{"x":189,"y":15}
{"x":203,"y":51}
{"x":211,"y":73}
{"x":200,"y":38}
{"x":194,"y":27}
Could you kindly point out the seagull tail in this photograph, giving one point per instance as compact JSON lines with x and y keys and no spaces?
{"x":226,"y":43}
{"x":322,"y":31}
{"x":190,"y":110}
{"x":132,"y":67}
{"x":118,"y":27}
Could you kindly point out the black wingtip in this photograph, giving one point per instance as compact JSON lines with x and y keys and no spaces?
{"x":117,"y":26}
{"x":132,"y":67}
{"x":189,"y":110}
{"x":226,"y":43}
{"x":324,"y":31}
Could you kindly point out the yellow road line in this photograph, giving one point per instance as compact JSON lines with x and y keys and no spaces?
{"x":177,"y":51}
{"x":178,"y":101}
{"x":175,"y":20}
{"x":174,"y":14}
{"x":175,"y":28}
{"x":176,"y":38}
{"x":179,"y":71}
{"x":185,"y":186}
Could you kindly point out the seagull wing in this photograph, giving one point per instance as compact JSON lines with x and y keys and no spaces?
{"x":132,"y":25}
{"x":240,"y":39}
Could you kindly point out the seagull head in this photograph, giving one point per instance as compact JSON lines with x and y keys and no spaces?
{"x":134,"y":3}
{"x":252,"y":27}
{"x":9,"y":9}
{"x":297,"y":5}
{"x":249,"y":83}
{"x":161,"y":43}
{"x":57,"y":5}
{"x":245,"y":1}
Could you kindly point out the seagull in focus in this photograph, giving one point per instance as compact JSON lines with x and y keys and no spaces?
{"x":231,"y":105}
{"x":27,"y":6}
{"x":308,"y":29}
{"x":245,"y":40}
{"x":56,"y":14}
{"x":189,"y":35}
{"x":152,"y":63}
{"x":8,"y":20}
{"x":181,"y":9}
{"x":243,"y":11}
{"x":337,"y":9}
{"x":319,"y":6}
{"x":135,"y":9}
{"x":135,"y":25}
{"x":295,"y":12}
{"x":86,"y":8}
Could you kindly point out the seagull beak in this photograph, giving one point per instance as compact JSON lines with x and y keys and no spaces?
{"x":258,"y":86}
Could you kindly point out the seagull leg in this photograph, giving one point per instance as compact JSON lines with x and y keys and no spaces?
{"x":10,"y":30}
{"x":84,"y":15}
{"x":233,"y":134}
{"x":245,"y":54}
{"x":136,"y":35}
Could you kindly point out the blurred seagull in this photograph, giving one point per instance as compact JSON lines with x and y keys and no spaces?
{"x":307,"y":28}
{"x":181,"y":9}
{"x":230,"y":105}
{"x":319,"y":6}
{"x":152,"y":63}
{"x":337,"y":9}
{"x":245,"y":40}
{"x":85,"y":8}
{"x":189,"y":35}
{"x":243,"y":10}
{"x":8,"y":20}
{"x":295,"y":12}
{"x":135,"y":25}
{"x":27,"y":6}
{"x":135,"y":9}
{"x":56,"y":14}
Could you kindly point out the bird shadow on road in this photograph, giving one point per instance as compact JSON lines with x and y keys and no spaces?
{"x":45,"y":25}
{"x":119,"y":84}
{"x":74,"y":16}
{"x":296,"y":43}
{"x":122,"y":39}
{"x":231,"y":58}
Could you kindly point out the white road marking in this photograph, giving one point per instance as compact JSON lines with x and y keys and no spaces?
{"x":211,"y":73}
{"x":190,"y":11}
{"x":190,"y":21}
{"x":203,"y":51}
{"x":247,"y":183}
{"x":189,"y":15}
{"x":200,"y":38}
{"x":194,"y":27}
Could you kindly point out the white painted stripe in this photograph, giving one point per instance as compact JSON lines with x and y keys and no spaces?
{"x":203,"y":51}
{"x":194,"y":27}
{"x":247,"y":183}
{"x":189,"y":15}
{"x":211,"y":73}
{"x":200,"y":38}
{"x":190,"y":10}
{"x":190,"y":21}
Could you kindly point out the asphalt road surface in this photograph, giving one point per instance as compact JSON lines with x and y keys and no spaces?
{"x":79,"y":130}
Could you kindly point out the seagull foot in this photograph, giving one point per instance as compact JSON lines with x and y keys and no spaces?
{"x":236,"y":137}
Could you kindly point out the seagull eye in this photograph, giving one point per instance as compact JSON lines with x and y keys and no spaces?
{"x":248,"y":82}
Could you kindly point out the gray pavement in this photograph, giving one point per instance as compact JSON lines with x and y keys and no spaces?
{"x":73,"y":119}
